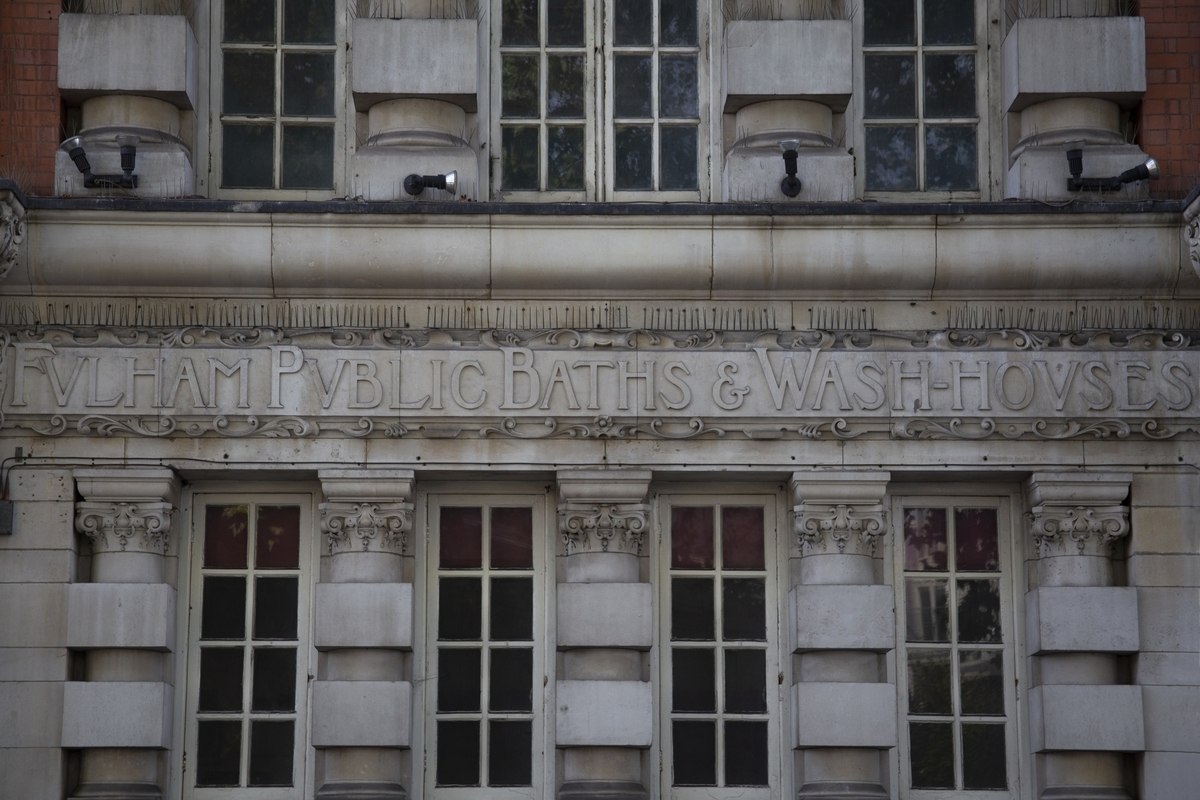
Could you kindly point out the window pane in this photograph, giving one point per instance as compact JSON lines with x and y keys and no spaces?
{"x":691,"y":537}
{"x":925,"y":538}
{"x":745,"y":682}
{"x":564,"y":87}
{"x":565,"y":169}
{"x":249,"y":21}
{"x":225,"y":537}
{"x":742,"y":537}
{"x":677,"y":91}
{"x":220,"y":679}
{"x":218,"y":752}
{"x":271,"y":747}
{"x":950,"y":158}
{"x":633,"y":165}
{"x":458,"y":679}
{"x":275,"y":608}
{"x":519,"y":158}
{"x":949,"y":21}
{"x":889,"y":22}
{"x":981,"y":681}
{"x":892,"y":158}
{"x":512,"y":538}
{"x":983,"y":752}
{"x":694,"y":753}
{"x":745,"y":753}
{"x":693,"y":680}
{"x":519,"y":89}
{"x":931,"y":751}
{"x":926,"y":610}
{"x":950,"y":85}
{"x":247,"y":156}
{"x":634,"y":20}
{"x":678,"y":157}
{"x":975,"y":539}
{"x":564,"y":22}
{"x":929,"y":682}
{"x":308,"y":21}
{"x":308,"y":84}
{"x":512,"y":610}
{"x":632,"y":75}
{"x":249,"y":83}
{"x":744,"y":609}
{"x":510,"y":746}
{"x":511,"y":680}
{"x":224,"y":613}
{"x":460,"y":609}
{"x":461,"y":533}
{"x":518,"y":26}
{"x":676,"y":22}
{"x":692,"y":609}
{"x":891,"y":83}
{"x":457,"y":753}
{"x":274,"y":679}
{"x":277,"y":537}
{"x":307,"y":157}
{"x":979,"y":611}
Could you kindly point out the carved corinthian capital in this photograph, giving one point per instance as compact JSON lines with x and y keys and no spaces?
{"x":840,"y":512}
{"x":604,"y":527}
{"x":133,"y":527}
{"x":1077,"y":513}
{"x":367,"y":526}
{"x":12,"y":229}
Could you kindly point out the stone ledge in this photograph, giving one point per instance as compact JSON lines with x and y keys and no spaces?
{"x":604,"y":714}
{"x":120,"y":615}
{"x":844,"y":715}
{"x":1086,"y":718}
{"x":1077,"y":619}
{"x":361,"y":714}
{"x":111,"y":714}
{"x":843,"y":617}
{"x":363,"y":615}
{"x":606,"y":615}
{"x":788,"y":60}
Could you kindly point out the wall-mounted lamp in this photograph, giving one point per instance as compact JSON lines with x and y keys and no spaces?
{"x":415,"y":184}
{"x":1077,"y":183}
{"x":126,"y":180}
{"x":791,"y":184}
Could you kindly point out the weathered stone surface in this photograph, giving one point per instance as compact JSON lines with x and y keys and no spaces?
{"x":32,"y":713}
{"x":363,"y":615}
{"x":142,"y":54}
{"x":362,"y":714}
{"x":42,"y":526}
{"x":1166,"y":669}
{"x":839,"y":617}
{"x":433,"y":58}
{"x":36,"y":484}
{"x":32,"y":773}
{"x":1072,"y":619}
{"x":33,"y":614}
{"x":604,"y":713}
{"x":794,"y":59}
{"x":1168,"y":776}
{"x":110,"y":714}
{"x":1171,"y":714}
{"x":844,"y":715}
{"x":606,"y":615}
{"x":1168,"y":489}
{"x":1164,"y":570}
{"x":1086,"y":718}
{"x":1164,"y":529}
{"x":119,"y":615}
{"x":1169,"y":619}
{"x":34,"y":664}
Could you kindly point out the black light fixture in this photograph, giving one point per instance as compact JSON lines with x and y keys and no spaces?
{"x":415,"y":184}
{"x":1147,"y":170}
{"x":790,"y":185}
{"x":126,"y":180}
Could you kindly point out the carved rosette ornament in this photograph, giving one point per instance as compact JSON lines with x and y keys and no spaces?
{"x":1079,"y":530}
{"x":850,"y":529}
{"x":366,"y":527}
{"x":603,"y":527}
{"x":140,"y":527}
{"x":12,"y":229}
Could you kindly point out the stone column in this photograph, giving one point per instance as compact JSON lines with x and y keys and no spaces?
{"x":842,"y":622}
{"x":1081,"y":721}
{"x":605,"y":714}
{"x":362,"y":698}
{"x":120,"y":714}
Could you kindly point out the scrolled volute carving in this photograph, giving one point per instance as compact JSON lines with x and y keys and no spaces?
{"x":603,"y":527}
{"x":366,"y":527}
{"x":850,"y":529}
{"x":1077,"y":530}
{"x":12,"y":229}
{"x":1192,"y":233}
{"x":130,"y":527}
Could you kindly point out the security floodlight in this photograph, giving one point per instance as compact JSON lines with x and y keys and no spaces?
{"x":415,"y":184}
{"x":1077,"y":183}
{"x":126,"y":180}
{"x":790,"y":185}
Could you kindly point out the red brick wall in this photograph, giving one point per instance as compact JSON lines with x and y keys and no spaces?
{"x":1169,"y":124}
{"x":31,"y":112}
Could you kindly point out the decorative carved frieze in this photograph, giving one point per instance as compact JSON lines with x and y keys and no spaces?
{"x":382,"y":527}
{"x":1081,"y":530}
{"x":142,"y":527}
{"x":603,"y":527}
{"x":854,"y":530}
{"x":1193,"y":240}
{"x":12,"y":230}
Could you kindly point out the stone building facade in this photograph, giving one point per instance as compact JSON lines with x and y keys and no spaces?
{"x":760,"y":411}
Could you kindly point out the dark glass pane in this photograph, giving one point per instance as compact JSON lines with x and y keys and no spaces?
{"x":308,"y":84}
{"x":218,"y":752}
{"x":308,"y":21}
{"x":225,"y":537}
{"x":693,"y":680}
{"x":745,"y":753}
{"x":307,"y":157}
{"x":510,"y":749}
{"x":519,"y":158}
{"x":512,"y":538}
{"x":511,"y":680}
{"x":925,"y":538}
{"x":678,"y":157}
{"x":461,"y":535}
{"x":247,"y":156}
{"x":891,"y":83}
{"x":457,"y":753}
{"x":249,"y":83}
{"x":949,"y":21}
{"x":277,"y":539}
{"x":694,"y":753}
{"x":564,"y":22}
{"x":691,"y":537}
{"x":983,"y":751}
{"x":976,"y":543}
{"x":979,"y":611}
{"x":458,"y":679}
{"x":634,"y":22}
{"x":929,"y":682}
{"x":511,"y":617}
{"x":249,"y":21}
{"x":275,"y":608}
{"x":631,"y":75}
{"x":460,"y":609}
{"x":519,"y":89}
{"x":926,"y":611}
{"x":950,"y":85}
{"x":518,"y":26}
{"x":271,"y":746}
{"x":224,"y":613}
{"x":677,"y":92}
{"x":950,"y":158}
{"x":564,"y":87}
{"x":746,"y":681}
{"x":676,"y":22}
{"x":274,"y":679}
{"x":744,"y":609}
{"x":931,"y":752}
{"x":981,"y":681}
{"x":565,"y":169}
{"x":889,"y":22}
{"x":692,"y":610}
{"x":742,"y":537}
{"x":891,"y":158}
{"x":633,"y":165}
{"x":220,"y":679}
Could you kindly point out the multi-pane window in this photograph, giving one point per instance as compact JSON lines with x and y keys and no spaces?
{"x":278,"y":93}
{"x":719,"y":696}
{"x":921,"y":114}
{"x":956,"y":660}
{"x":248,"y":633}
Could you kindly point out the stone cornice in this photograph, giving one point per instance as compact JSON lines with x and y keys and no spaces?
{"x":840,"y":512}
{"x":1077,"y":513}
{"x":367,"y":510}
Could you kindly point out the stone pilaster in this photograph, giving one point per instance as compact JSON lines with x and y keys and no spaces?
{"x":842,"y":621}
{"x":603,"y":517}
